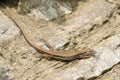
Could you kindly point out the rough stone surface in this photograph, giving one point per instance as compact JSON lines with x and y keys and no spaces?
{"x":46,"y":9}
{"x":94,"y":24}
{"x":7,"y":29}
{"x":115,"y":1}
{"x":113,"y":74}
{"x":4,"y":72}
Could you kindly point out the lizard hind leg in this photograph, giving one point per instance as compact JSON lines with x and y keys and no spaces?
{"x":47,"y":43}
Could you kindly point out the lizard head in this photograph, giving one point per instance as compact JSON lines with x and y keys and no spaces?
{"x":87,"y":53}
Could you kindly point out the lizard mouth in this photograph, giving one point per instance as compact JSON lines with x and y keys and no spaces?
{"x":89,"y":54}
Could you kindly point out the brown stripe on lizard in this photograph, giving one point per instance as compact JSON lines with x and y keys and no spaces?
{"x":59,"y":55}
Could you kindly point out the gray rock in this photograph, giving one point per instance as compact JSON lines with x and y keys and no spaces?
{"x":7,"y":29}
{"x":114,"y":1}
{"x":3,"y":73}
{"x":113,"y":74}
{"x":46,"y":9}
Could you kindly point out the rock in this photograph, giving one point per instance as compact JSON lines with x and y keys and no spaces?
{"x":7,"y":30}
{"x":95,"y":24}
{"x":113,"y":74}
{"x":3,"y":73}
{"x":115,"y":1}
{"x":46,"y":9}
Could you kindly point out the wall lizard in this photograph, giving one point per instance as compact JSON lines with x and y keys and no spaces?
{"x":59,"y":55}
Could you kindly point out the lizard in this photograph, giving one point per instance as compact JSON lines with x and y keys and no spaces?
{"x":58,"y":55}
